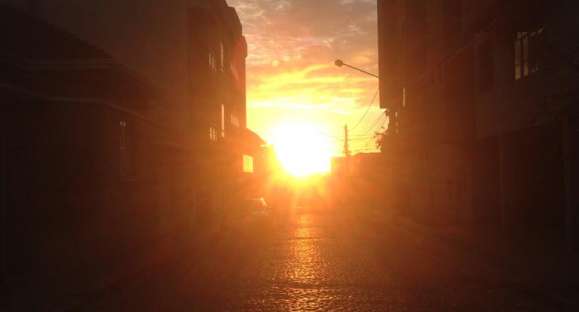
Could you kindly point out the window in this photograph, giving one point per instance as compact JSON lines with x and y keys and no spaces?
{"x":536,"y":46}
{"x":212,"y":62}
{"x":518,"y":57}
{"x":222,"y":120}
{"x":247,"y":164}
{"x":527,"y":50}
{"x":486,"y":66}
{"x":212,"y":134}
{"x":222,"y":53}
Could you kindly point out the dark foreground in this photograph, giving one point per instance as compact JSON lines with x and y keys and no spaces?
{"x":322,"y":262}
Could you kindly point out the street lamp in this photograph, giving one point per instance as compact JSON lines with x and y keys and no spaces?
{"x":341,"y":63}
{"x":391,"y":113}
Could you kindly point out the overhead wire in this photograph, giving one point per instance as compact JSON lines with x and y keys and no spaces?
{"x":376,"y":123}
{"x":443,"y":62}
{"x":367,"y":110}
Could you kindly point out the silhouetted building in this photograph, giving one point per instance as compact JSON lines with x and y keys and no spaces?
{"x":192,"y":50}
{"x":217,"y":84}
{"x":92,"y":189}
{"x":485,"y":95}
{"x":121,"y":125}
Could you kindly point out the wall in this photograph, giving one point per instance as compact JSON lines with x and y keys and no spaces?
{"x":437,"y":113}
{"x":92,"y":190}
{"x":390,"y":36}
{"x":78,"y":222}
{"x":466,"y":119}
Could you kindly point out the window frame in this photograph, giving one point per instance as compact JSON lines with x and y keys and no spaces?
{"x":527,"y":52}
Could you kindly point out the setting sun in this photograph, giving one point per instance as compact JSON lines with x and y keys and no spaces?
{"x":302,"y":149}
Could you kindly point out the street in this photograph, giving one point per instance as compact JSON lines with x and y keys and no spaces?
{"x":321,"y":262}
{"x":277,"y":155}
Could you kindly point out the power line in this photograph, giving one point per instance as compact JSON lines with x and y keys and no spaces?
{"x":376,"y":123}
{"x":367,"y":110}
{"x":367,"y":136}
{"x":361,"y":139}
{"x":371,"y":137}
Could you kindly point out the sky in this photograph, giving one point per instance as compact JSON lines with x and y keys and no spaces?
{"x":291,"y":74}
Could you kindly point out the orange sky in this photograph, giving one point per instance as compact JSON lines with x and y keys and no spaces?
{"x":291,"y":76}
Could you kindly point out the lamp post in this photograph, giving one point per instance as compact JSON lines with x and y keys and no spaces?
{"x":391,"y":113}
{"x":341,"y":63}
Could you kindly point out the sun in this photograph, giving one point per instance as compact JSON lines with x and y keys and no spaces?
{"x":302,"y":149}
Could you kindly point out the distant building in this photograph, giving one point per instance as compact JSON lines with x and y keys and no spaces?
{"x":485,"y":98}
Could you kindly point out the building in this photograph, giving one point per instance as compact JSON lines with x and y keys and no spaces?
{"x":92,"y":189}
{"x":217,"y":83}
{"x":192,"y":50}
{"x":485,"y":99}
{"x":113,"y":152}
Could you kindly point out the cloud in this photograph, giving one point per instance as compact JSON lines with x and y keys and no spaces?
{"x":292,"y":47}
{"x":275,"y":27}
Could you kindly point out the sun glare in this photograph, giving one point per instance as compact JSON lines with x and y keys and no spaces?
{"x":302,"y":149}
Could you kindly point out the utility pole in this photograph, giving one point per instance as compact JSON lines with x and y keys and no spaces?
{"x":346,"y":142}
{"x":346,"y":151}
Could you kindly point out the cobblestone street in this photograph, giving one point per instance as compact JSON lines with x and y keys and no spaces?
{"x":319,"y":262}
{"x":289,"y":155}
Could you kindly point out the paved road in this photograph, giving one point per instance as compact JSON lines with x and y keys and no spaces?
{"x":321,"y":262}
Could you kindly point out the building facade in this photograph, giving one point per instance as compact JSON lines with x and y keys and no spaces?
{"x":217,"y":83}
{"x":485,"y":95}
{"x":92,"y":188}
{"x":191,"y":50}
{"x":121,"y":126}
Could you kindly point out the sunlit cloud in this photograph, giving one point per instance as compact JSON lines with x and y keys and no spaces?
{"x":291,"y":76}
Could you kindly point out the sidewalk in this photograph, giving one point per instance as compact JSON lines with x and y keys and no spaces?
{"x":165,"y":253}
{"x":542,"y":269}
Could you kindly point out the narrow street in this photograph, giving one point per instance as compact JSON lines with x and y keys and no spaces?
{"x":289,"y":155}
{"x":321,"y":262}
